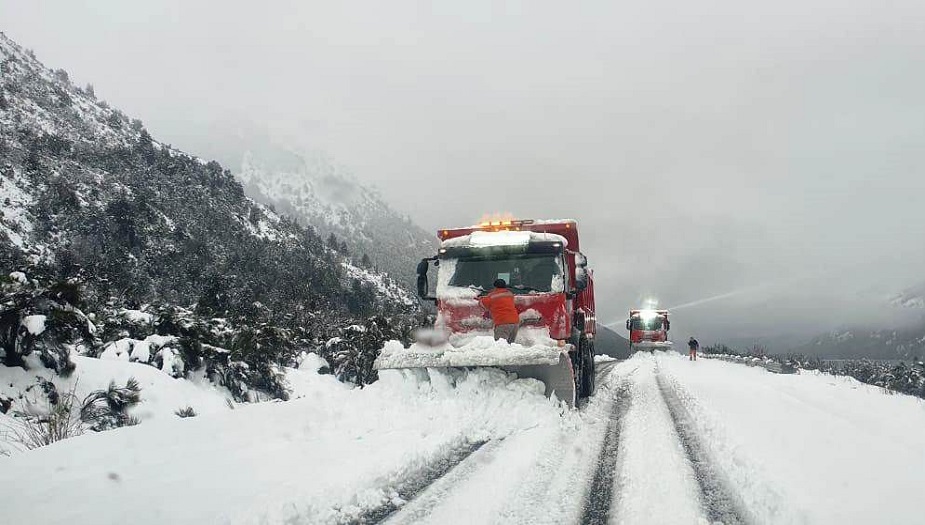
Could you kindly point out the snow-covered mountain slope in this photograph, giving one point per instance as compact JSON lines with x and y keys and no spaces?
{"x":913,"y":297}
{"x":313,"y":189}
{"x":664,"y":440}
{"x":898,"y":335}
{"x":86,"y":189}
{"x":100,"y":219}
{"x":895,"y":330}
{"x":890,"y":343}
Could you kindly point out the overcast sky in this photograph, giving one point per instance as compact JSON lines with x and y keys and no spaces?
{"x":705,"y":147}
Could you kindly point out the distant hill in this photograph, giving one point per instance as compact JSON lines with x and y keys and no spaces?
{"x":912,"y":297}
{"x":608,"y":342}
{"x":88,"y":193}
{"x":901,"y":343}
{"x":118,"y":246}
{"x":313,"y":190}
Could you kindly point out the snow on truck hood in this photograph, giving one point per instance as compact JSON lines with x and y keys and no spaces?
{"x":483,"y":239}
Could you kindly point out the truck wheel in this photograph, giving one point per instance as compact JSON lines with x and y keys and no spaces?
{"x":586,"y":387}
{"x":593,"y":367}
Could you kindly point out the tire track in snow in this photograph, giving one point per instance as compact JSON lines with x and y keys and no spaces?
{"x":414,"y":484}
{"x":433,"y":495}
{"x":603,"y":371}
{"x":600,"y":494}
{"x":720,"y":502}
{"x":425,"y":492}
{"x":563,"y":466}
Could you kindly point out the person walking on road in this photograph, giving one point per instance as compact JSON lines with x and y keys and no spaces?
{"x":500,"y":304}
{"x":694,"y":346}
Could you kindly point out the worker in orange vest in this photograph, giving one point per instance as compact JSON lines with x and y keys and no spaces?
{"x":500,"y":304}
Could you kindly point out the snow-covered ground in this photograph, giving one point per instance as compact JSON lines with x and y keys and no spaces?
{"x":324,"y":458}
{"x":663,"y":440}
{"x":161,"y":394}
{"x":809,"y":448}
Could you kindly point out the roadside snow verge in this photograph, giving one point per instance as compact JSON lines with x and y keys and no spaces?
{"x":326,"y":457}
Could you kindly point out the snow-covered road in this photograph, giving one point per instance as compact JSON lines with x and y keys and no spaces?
{"x":664,"y":440}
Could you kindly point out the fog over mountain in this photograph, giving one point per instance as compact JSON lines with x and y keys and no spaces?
{"x":314,"y":189}
{"x":767,"y":156}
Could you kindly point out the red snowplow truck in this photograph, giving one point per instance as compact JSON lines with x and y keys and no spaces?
{"x":554,"y":296}
{"x":649,"y":329}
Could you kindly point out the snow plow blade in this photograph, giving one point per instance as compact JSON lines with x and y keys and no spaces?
{"x":649,"y":346}
{"x":550,"y":365}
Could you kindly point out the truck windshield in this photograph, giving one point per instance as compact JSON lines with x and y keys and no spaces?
{"x":524,"y":273}
{"x":652,"y":323}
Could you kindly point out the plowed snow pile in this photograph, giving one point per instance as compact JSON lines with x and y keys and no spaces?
{"x":326,"y":457}
{"x":477,"y":351}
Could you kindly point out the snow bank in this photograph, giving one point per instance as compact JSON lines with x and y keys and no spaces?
{"x":324,"y":458}
{"x":161,"y":395}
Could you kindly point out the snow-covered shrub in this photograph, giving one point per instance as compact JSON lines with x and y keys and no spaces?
{"x":50,"y":416}
{"x":356,"y":347}
{"x":249,"y":383}
{"x":169,"y":358}
{"x":264,"y":349}
{"x":235,"y":376}
{"x":248,"y":358}
{"x":893,"y":377}
{"x":118,"y":322}
{"x":107,"y":409}
{"x":908,"y":379}
{"x":42,"y":323}
{"x":186,"y":412}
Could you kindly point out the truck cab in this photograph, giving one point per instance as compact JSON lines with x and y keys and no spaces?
{"x":648,"y":329}
{"x":542,"y":265}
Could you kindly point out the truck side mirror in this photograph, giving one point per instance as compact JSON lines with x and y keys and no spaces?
{"x":423,"y":266}
{"x":667,"y":324}
{"x":627,"y":324}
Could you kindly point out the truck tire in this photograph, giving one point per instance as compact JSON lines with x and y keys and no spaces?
{"x":593,"y":380}
{"x":586,"y":387}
